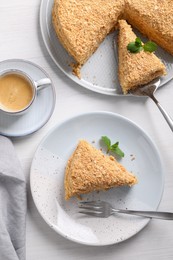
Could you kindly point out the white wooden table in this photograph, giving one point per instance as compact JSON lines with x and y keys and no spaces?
{"x":20,"y":38}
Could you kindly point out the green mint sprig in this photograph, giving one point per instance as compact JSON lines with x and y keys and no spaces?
{"x":138,"y":46}
{"x":112,"y":147}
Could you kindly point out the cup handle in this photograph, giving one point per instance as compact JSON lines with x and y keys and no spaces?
{"x":42,"y":83}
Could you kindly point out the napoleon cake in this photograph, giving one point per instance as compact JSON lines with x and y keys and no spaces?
{"x":135,"y":69}
{"x":154,"y":19}
{"x":82,"y":25}
{"x":88,"y":169}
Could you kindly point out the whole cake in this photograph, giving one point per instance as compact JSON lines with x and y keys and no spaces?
{"x":81,"y":25}
{"x":88,"y":169}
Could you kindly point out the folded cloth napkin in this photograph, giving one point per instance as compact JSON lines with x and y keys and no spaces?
{"x":12,"y":203}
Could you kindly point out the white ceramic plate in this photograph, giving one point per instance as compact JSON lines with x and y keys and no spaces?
{"x":47,"y":174}
{"x":99,"y":74}
{"x":41,"y":110}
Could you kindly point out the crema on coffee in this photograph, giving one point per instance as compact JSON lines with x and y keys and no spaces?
{"x":16,"y":92}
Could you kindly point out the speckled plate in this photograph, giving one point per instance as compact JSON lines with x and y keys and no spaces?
{"x":47,"y":175}
{"x":99,"y":74}
{"x":41,"y":110}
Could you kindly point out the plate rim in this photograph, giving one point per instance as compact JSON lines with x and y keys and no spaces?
{"x":27,"y":133}
{"x":55,"y":227}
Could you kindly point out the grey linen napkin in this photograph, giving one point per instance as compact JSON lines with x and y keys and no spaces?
{"x":12,"y":203}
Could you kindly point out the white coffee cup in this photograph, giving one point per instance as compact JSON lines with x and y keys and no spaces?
{"x":18,"y":91}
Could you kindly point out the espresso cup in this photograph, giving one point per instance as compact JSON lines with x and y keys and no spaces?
{"x":18,"y":91}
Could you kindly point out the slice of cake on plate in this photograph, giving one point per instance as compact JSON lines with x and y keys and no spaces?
{"x":88,"y":169}
{"x":135,"y":69}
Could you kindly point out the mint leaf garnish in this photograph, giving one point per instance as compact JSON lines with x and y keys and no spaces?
{"x":138,"y":42}
{"x":112,"y":147}
{"x":138,"y":46}
{"x":115,"y":148}
{"x":150,"y":46}
{"x":107,"y":142}
{"x":132,"y":47}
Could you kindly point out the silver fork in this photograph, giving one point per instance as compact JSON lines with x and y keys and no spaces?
{"x":104,"y":209}
{"x":149,"y":90}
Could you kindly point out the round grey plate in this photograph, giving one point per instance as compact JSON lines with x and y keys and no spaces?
{"x":41,"y":110}
{"x":47,"y":178}
{"x":99,"y":74}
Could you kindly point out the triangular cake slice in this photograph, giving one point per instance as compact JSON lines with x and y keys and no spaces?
{"x":135,"y":69}
{"x":88,"y":169}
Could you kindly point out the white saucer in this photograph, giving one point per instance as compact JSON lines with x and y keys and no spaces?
{"x":41,"y":110}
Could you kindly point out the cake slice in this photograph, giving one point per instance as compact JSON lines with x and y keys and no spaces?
{"x":81,"y":25}
{"x":88,"y":169}
{"x":135,"y":69}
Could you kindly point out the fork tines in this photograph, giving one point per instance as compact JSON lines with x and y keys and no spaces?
{"x":92,"y":202}
{"x":93,"y":205}
{"x":91,"y":213}
{"x":92,"y":208}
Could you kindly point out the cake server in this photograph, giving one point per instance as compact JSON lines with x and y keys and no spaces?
{"x":149,"y":90}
